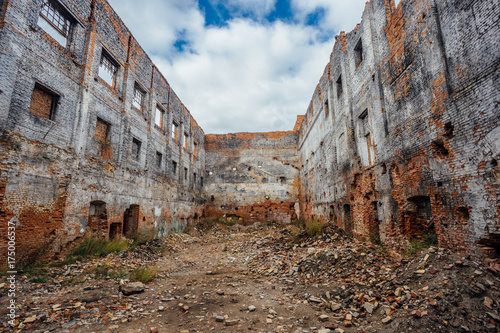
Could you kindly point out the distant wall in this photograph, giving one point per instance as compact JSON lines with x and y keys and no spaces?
{"x":253,"y":176}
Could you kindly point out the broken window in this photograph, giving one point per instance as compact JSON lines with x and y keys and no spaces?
{"x":43,"y":102}
{"x":108,"y":69}
{"x":339,"y":86}
{"x":175,"y":131}
{"x":194,"y":179}
{"x":201,"y":181}
{"x":159,"y":158}
{"x":159,"y":118}
{"x":358,"y":53}
{"x":327,"y":109}
{"x":186,"y":141}
{"x":136,"y":149}
{"x":55,"y":21}
{"x":185,"y":173}
{"x":101,"y":131}
{"x":139,"y":96}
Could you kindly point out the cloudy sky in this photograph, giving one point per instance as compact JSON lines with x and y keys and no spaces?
{"x":241,"y":65}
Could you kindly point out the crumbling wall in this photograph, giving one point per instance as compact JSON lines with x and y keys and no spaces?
{"x":252,"y":176}
{"x":79,"y":154}
{"x":412,"y":126}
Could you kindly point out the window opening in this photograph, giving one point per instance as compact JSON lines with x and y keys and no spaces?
{"x":159,"y":158}
{"x":358,"y":53}
{"x":54,"y":22}
{"x":175,"y":131}
{"x":108,"y":69}
{"x":159,"y":118}
{"x":43,"y":103}
{"x":339,"y":86}
{"x":174,"y":167}
{"x":101,"y":131}
{"x":186,"y":141}
{"x":136,"y":149}
{"x":195,"y":149}
{"x":138,"y":101}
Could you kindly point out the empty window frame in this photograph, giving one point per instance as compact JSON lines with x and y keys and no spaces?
{"x":175,"y":131}
{"x":108,"y":69}
{"x":159,"y":159}
{"x":54,"y":20}
{"x":186,"y":141}
{"x":201,"y":182}
{"x":358,"y":53}
{"x":195,"y":149}
{"x":102,"y":131}
{"x":185,"y":174}
{"x":326,"y":108}
{"x":194,"y":179}
{"x":43,"y":102}
{"x":159,"y":118}
{"x":364,"y":127}
{"x":174,"y":167}
{"x":139,"y":97}
{"x":136,"y":149}
{"x":339,"y":86}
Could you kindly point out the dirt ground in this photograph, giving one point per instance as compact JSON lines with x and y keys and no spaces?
{"x":265,"y":279}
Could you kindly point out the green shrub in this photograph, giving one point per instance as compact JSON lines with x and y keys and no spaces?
{"x":313,"y":227}
{"x":144,"y":274}
{"x":95,"y":247}
{"x":416,"y":245}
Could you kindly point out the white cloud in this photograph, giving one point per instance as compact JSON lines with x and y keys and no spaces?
{"x":339,"y":14}
{"x":245,"y":76}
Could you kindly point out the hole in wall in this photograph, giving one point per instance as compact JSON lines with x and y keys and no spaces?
{"x":463,"y":213}
{"x":384,"y":168}
{"x":448,"y":130}
{"x":440,"y":184}
{"x":438,"y":149}
{"x":494,"y":163}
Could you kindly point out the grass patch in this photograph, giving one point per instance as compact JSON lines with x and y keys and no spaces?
{"x":144,"y":274}
{"x":313,"y":228}
{"x":416,"y":245}
{"x":95,"y":247}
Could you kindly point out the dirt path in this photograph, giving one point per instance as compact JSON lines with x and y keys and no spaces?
{"x":256,"y":279}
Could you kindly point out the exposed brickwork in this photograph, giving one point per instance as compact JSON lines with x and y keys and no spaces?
{"x":426,"y":164}
{"x":90,"y":134}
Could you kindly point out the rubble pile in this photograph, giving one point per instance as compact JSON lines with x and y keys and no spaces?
{"x":262,"y":278}
{"x":363,"y":284}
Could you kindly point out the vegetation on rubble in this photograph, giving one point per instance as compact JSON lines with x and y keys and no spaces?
{"x":416,"y":245}
{"x":313,"y":228}
{"x":144,"y":274}
{"x":95,"y":247}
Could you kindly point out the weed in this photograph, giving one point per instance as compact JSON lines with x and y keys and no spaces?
{"x":416,"y":245}
{"x":144,"y":274}
{"x":40,"y":279}
{"x":299,"y":223}
{"x":313,"y":227}
{"x":95,"y":247}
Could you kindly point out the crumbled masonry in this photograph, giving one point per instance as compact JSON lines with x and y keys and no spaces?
{"x":401,"y":139}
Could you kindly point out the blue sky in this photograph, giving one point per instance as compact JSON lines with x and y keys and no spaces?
{"x":241,"y":65}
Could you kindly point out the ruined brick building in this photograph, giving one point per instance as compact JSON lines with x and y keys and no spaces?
{"x":401,"y":138}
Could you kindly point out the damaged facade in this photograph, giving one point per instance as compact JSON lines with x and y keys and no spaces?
{"x":93,"y":137}
{"x":401,"y":138}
